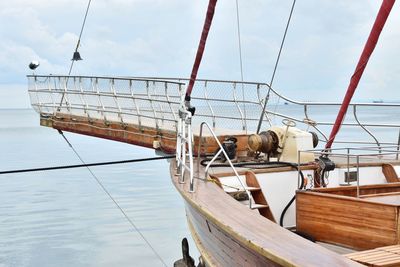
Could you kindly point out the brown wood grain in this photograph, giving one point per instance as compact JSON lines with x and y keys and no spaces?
{"x":364,"y":189}
{"x":258,"y":196}
{"x":382,"y":256}
{"x":354,"y":223}
{"x":390,"y":173}
{"x":244,"y":229}
{"x":135,"y":134}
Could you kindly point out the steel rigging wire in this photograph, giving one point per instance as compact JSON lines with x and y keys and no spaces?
{"x":79,"y":39}
{"x":241,"y":63}
{"x":274,"y":72}
{"x":112,"y":198}
{"x":76,"y":56}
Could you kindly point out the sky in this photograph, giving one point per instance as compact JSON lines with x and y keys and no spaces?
{"x":160,"y":37}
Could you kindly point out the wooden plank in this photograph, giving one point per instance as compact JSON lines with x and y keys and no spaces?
{"x":224,"y":247}
{"x":393,"y":249}
{"x":355,"y":223}
{"x":381,"y":256}
{"x":127,"y":133}
{"x":364,"y":189}
{"x":143,"y":135}
{"x":248,"y":230}
{"x":390,"y":173}
{"x":258,"y":196}
{"x":379,"y":195}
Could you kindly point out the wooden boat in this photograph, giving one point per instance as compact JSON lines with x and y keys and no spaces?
{"x":253,"y":198}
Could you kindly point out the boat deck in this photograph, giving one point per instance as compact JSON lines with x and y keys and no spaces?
{"x":224,"y":227}
{"x":392,"y":198}
{"x":379,"y":257}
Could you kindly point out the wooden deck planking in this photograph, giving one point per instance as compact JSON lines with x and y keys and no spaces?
{"x":383,"y":256}
{"x":250,"y":231}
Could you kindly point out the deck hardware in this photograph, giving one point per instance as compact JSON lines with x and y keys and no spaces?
{"x":221,"y":150}
{"x":326,"y":164}
{"x":288,"y":123}
{"x":208,"y":226}
{"x":187,"y":260}
{"x":229,"y":145}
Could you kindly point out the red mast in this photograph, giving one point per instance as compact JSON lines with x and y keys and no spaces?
{"x":380,"y":20}
{"x":202,"y":45}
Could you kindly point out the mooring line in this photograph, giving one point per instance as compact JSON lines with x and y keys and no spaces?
{"x":84,"y":165}
{"x":115,"y":202}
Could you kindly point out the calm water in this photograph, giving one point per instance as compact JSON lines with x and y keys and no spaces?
{"x":63,"y":218}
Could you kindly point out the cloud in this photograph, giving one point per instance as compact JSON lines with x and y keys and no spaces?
{"x":160,"y":38}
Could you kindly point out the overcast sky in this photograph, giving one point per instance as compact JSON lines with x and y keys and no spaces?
{"x":160,"y":37}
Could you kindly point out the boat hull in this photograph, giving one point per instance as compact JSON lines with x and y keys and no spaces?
{"x":228,"y":233}
{"x":217,"y":247}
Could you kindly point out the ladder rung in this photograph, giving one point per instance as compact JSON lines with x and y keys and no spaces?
{"x":258,"y":206}
{"x":240,"y":189}
{"x":249,"y":188}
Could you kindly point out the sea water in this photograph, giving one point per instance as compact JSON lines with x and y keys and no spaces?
{"x":63,"y":218}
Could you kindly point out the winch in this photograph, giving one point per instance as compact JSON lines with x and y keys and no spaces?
{"x":284,"y":142}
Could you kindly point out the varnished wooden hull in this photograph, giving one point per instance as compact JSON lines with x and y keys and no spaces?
{"x":227,"y":233}
{"x":217,"y":247}
{"x":150,"y":137}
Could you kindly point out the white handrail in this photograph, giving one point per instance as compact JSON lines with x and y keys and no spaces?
{"x":130,"y":101}
{"x":221,"y":150}
{"x":184,"y":146}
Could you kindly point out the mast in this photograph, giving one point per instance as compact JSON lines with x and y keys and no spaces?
{"x":202,"y":45}
{"x":369,"y":47}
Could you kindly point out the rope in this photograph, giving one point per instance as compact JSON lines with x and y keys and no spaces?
{"x":275,"y":68}
{"x":241,"y":62}
{"x":84,"y":165}
{"x":217,"y":183}
{"x":76,"y":50}
{"x":80,"y":35}
{"x":115,"y":202}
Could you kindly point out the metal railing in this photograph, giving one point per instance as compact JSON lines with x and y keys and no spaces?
{"x":352,"y":157}
{"x":184,"y":146}
{"x":155,"y":102}
{"x":220,"y":151}
{"x":159,"y":103}
{"x":143,"y":102}
{"x":365,"y":124}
